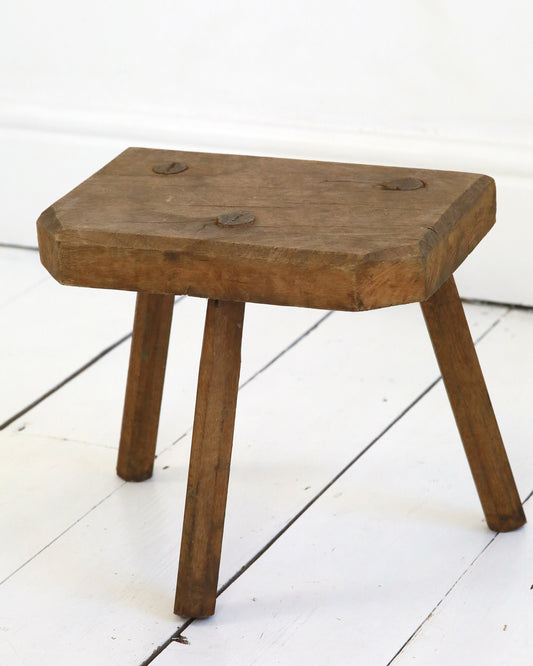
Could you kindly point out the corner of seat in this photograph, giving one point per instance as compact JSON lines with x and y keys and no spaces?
{"x":49,"y":239}
{"x":460,"y":229}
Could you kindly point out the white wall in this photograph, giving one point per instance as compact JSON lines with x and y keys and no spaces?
{"x":433,"y":83}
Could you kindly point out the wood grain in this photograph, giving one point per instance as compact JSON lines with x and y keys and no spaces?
{"x":144,"y":389}
{"x":325,"y":235}
{"x":472,"y":409}
{"x":210,"y":460}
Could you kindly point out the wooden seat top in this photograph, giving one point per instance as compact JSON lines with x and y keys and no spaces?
{"x":291,"y":232}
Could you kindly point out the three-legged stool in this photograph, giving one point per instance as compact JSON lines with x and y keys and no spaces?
{"x":234,"y":229}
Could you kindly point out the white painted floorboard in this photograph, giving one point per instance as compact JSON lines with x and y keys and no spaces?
{"x":46,"y":485}
{"x":358,"y":572}
{"x":88,"y":565}
{"x":76,"y":411}
{"x":50,"y":331}
{"x":352,"y":579}
{"x":487,"y":617}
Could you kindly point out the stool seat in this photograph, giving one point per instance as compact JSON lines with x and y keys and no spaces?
{"x":280,"y":231}
{"x":235,"y":229}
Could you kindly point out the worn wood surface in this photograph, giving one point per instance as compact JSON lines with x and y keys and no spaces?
{"x":144,"y":389}
{"x":472,"y":409}
{"x":325,"y":235}
{"x":212,"y":441}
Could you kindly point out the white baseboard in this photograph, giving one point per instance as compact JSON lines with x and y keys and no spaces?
{"x":501,"y":153}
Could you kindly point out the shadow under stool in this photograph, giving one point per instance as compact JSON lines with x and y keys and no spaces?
{"x":236,"y":229}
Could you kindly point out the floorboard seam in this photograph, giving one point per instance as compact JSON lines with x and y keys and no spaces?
{"x":261,"y":370}
{"x":500,"y":304}
{"x":72,"y":376}
{"x":177,"y":637}
{"x":417,"y":630}
{"x":288,"y":348}
{"x":18,"y":246}
{"x":428,"y":617}
{"x":65,"y":381}
{"x":50,"y":543}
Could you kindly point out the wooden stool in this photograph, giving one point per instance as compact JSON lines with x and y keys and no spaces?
{"x":314,"y":234}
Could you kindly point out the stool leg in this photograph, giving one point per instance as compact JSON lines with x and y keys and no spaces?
{"x":144,"y":389}
{"x":463,"y":379}
{"x":212,"y":440}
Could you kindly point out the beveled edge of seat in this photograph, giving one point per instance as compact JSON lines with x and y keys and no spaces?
{"x":305,"y":278}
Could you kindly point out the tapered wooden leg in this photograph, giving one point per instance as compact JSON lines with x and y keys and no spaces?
{"x":144,"y":389}
{"x":473,"y":411}
{"x":212,"y":440}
